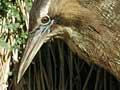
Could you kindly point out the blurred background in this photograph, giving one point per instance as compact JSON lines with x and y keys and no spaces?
{"x":55,"y":67}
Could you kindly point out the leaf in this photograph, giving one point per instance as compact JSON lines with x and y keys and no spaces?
{"x":3,"y":44}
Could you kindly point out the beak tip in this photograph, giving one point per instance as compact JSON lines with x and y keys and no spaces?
{"x":18,"y":81}
{"x":20,"y":74}
{"x":18,"y":78}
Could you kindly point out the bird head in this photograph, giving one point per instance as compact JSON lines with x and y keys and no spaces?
{"x":67,"y":20}
{"x":49,"y":19}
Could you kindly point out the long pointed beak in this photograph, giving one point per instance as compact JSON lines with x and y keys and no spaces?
{"x":34,"y":43}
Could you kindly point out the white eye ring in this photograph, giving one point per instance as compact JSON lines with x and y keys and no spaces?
{"x":45,"y":20}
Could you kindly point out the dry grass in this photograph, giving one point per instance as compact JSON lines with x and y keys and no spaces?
{"x":8,"y":54}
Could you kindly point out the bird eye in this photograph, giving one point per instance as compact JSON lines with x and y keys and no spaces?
{"x":45,"y":20}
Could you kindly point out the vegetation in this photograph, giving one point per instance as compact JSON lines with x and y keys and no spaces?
{"x":13,"y":33}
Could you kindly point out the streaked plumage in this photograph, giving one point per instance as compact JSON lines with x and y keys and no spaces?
{"x":91,"y":28}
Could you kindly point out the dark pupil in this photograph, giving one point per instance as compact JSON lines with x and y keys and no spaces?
{"x":45,"y":19}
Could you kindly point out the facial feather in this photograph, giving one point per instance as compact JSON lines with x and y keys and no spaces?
{"x":71,"y":13}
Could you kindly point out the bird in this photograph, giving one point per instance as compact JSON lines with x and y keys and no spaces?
{"x":90,"y":28}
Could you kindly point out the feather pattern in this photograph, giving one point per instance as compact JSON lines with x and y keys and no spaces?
{"x":91,"y":28}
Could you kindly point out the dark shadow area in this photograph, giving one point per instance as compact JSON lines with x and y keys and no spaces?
{"x":55,"y":67}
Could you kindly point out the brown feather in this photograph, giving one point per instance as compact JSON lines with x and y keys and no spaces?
{"x":91,"y":28}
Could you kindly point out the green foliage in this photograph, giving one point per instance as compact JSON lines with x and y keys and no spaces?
{"x":3,"y":44}
{"x":14,"y":22}
{"x":20,"y":39}
{"x":3,"y":8}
